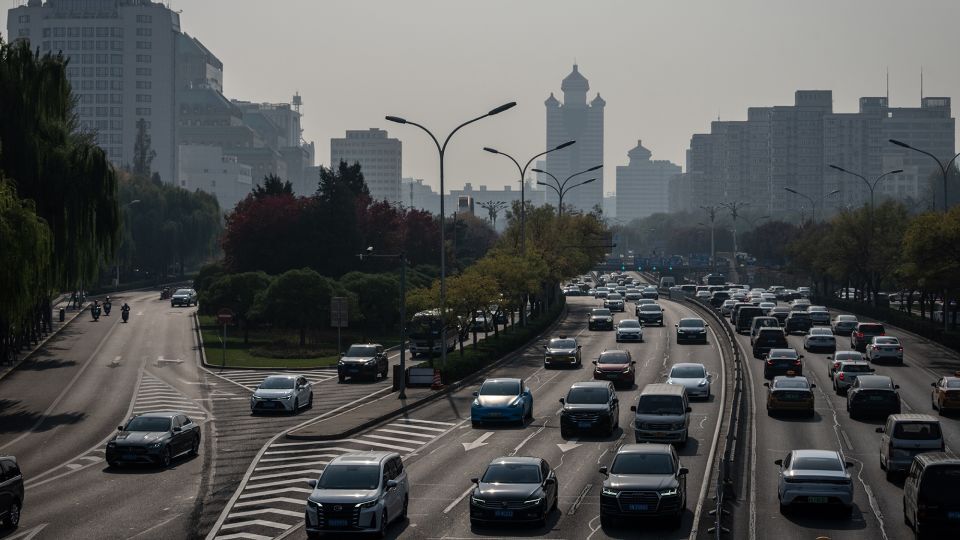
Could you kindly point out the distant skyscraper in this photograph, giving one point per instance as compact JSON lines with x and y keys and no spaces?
{"x":380,"y":159}
{"x":577,"y":120}
{"x":643,"y":186}
{"x":121,"y":68}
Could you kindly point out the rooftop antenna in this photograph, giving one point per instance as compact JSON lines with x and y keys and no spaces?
{"x":888,"y":86}
{"x":921,"y":83}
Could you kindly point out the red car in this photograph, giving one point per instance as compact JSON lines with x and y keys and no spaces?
{"x":617,"y":367}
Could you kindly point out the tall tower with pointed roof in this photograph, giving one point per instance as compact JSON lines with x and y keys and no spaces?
{"x":643,"y":185}
{"x":582,"y":121}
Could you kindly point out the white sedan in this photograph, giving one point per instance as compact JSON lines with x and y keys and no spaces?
{"x":885,"y":348}
{"x":819,"y":338}
{"x":814,"y":477}
{"x":693,"y":377}
{"x":282,"y":393}
{"x":727,"y":307}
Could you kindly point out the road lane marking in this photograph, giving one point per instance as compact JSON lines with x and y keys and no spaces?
{"x":570,"y":445}
{"x":468,"y":446}
{"x":457,"y":500}
{"x":28,"y":534}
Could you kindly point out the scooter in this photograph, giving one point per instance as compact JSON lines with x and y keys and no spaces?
{"x":125,"y":314}
{"x":106,"y":308}
{"x":95,"y":311}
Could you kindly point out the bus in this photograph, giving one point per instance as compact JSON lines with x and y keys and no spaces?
{"x":714,"y":279}
{"x":426,"y":333}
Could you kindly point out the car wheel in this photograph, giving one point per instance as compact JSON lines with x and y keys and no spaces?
{"x":13,"y":515}
{"x":310,"y":401}
{"x":890,"y":475}
{"x":195,"y":446}
{"x":404,"y":510}
{"x":784,"y":509}
{"x":847,"y":511}
{"x":112,"y":463}
{"x":341,"y":379}
{"x":165,"y":458}
{"x":564,"y":433}
{"x":296,"y":405}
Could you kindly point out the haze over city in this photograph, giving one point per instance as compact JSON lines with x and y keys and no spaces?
{"x":666,"y":69}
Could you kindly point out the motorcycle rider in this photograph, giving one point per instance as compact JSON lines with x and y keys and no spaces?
{"x":95,"y":310}
{"x":106,"y":306}
{"x":125,"y":311}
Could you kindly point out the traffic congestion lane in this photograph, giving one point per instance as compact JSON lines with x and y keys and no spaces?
{"x":438,"y":501}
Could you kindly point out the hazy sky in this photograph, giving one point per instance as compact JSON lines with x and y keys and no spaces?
{"x":666,"y":68}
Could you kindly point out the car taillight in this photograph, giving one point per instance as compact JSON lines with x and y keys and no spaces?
{"x":859,"y":334}
{"x":900,"y":349}
{"x":840,"y":375}
{"x":836,"y":365}
{"x":796,"y":362}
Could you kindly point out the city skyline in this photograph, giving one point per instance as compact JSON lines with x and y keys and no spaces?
{"x":716,"y":67}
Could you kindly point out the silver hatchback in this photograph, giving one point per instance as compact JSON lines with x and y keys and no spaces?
{"x":358,"y":493}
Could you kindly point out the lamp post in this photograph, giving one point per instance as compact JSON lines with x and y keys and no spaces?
{"x":711,"y":211}
{"x":943,"y":172}
{"x":871,"y":186}
{"x":493,"y":208}
{"x":813,"y":203}
{"x":523,"y":185}
{"x":129,"y":204}
{"x":561,"y":187}
{"x":403,"y":312}
{"x":442,"y":149}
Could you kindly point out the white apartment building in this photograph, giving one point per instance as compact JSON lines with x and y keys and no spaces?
{"x":380,"y":160}
{"x":121,"y":67}
{"x":207,"y":169}
{"x":643,"y":186}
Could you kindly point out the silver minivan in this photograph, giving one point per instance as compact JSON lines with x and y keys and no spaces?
{"x":358,"y":493}
{"x":662,"y":414}
{"x":904,"y":436}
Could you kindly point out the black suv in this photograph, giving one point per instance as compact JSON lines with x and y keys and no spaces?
{"x":797,"y":321}
{"x":767,"y":339}
{"x":862,"y":334}
{"x":367,"y":360}
{"x":590,"y":406}
{"x":11,"y":491}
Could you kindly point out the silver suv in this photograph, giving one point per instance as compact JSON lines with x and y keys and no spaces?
{"x":358,"y":493}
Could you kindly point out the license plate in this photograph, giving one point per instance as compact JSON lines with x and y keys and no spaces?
{"x":503,"y":513}
{"x":129,"y":456}
{"x":953,"y":515}
{"x":494,"y":414}
{"x":876,"y":398}
{"x":659,"y":435}
{"x":584,"y":425}
{"x":817,"y":500}
{"x":337,"y":522}
{"x":638,"y":507}
{"x":353,"y":370}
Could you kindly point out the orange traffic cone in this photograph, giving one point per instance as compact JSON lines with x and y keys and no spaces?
{"x":437,"y":380}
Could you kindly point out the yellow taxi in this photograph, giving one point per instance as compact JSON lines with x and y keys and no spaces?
{"x":946,"y":393}
{"x":790,"y":393}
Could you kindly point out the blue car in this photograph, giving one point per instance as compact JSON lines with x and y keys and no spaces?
{"x":502,"y":400}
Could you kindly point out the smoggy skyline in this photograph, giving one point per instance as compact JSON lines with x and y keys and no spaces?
{"x":666,"y":69}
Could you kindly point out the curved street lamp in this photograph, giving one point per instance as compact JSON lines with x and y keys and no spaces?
{"x":943,"y":172}
{"x":871,"y":186}
{"x":561,"y":187}
{"x":813,"y":203}
{"x":523,"y":185}
{"x":561,"y":192}
{"x":442,"y":149}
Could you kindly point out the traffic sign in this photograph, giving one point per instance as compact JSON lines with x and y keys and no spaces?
{"x":339,"y":313}
{"x":225,"y":316}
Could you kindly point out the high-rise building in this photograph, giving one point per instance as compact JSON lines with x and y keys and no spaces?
{"x":484,"y":195}
{"x":122,"y":68}
{"x":643,"y":186}
{"x":206,"y":168}
{"x":575,"y":119}
{"x":416,"y":194}
{"x":380,"y":160}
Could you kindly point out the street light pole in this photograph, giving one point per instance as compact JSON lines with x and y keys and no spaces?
{"x":561,"y":186}
{"x":712,"y":212}
{"x":943,"y":171}
{"x":442,"y":149}
{"x":129,"y":204}
{"x":871,"y":186}
{"x":523,"y":185}
{"x":813,"y":203}
{"x":403,"y":313}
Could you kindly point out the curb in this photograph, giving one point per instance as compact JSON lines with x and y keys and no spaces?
{"x":939,"y":346}
{"x":8,"y":369}
{"x":448,"y":389}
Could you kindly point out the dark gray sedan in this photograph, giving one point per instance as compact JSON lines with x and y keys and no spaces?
{"x":154,"y":438}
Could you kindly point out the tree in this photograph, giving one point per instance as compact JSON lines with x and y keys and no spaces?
{"x":272,"y":185}
{"x":266,"y":234}
{"x":297,"y":299}
{"x":143,"y":153}
{"x":471,"y":292}
{"x":377,"y":298}
{"x":237,"y":292}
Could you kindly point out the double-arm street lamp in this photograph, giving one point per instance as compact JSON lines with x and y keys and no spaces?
{"x":442,"y":149}
{"x":944,"y":169}
{"x":712,"y":212}
{"x":871,"y":186}
{"x":402,"y":257}
{"x":523,"y":184}
{"x":129,"y":204}
{"x":813,"y":203}
{"x":561,"y":188}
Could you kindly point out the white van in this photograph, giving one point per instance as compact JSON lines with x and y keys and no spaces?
{"x":904,"y":436}
{"x":667,"y":281}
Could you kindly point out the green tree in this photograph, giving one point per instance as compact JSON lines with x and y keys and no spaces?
{"x":297,"y":299}
{"x":272,"y":185}
{"x":377,"y":298}
{"x":237,"y":292}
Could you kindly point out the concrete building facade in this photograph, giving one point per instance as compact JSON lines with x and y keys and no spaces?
{"x":380,"y":158}
{"x":643,"y":185}
{"x":206,"y":168}
{"x":575,"y":119}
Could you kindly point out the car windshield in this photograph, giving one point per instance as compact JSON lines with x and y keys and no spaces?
{"x":821,"y":332}
{"x":362,"y":350}
{"x":601,"y":313}
{"x":653,"y":404}
{"x":588,"y":396}
{"x":688,"y":372}
{"x":614,"y":296}
{"x":939,"y":484}
{"x":954,"y":383}
{"x":871,"y":328}
{"x":790,"y":383}
{"x":809,"y":463}
{"x":642,"y":463}
{"x":799,"y":315}
{"x":846,"y":318}
{"x":784,"y":355}
{"x":848,"y":355}
{"x":691,"y":323}
{"x":500,"y":388}
{"x":350,"y":476}
{"x":855,"y":368}
{"x":650,"y":307}
{"x":917,"y":431}
{"x":512,"y":473}
{"x":182,"y":291}
{"x":886,"y":341}
{"x":562,"y":343}
{"x":148,"y":423}
{"x":277,"y":383}
{"x":629,"y":323}
{"x":617,"y":357}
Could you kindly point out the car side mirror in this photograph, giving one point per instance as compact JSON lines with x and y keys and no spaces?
{"x":829,"y":358}
{"x":550,"y":481}
{"x":799,"y":356}
{"x":633,"y":408}
{"x":633,"y":362}
{"x":896,"y":387}
{"x":579,"y":346}
{"x":677,"y":325}
{"x":778,"y":462}
{"x":594,"y":362}
{"x":562,"y":400}
{"x":766,"y":384}
{"x":933,"y":384}
{"x":392,"y":484}
{"x":706,"y":324}
{"x":689,"y":409}
{"x":813,"y":386}
{"x":312,"y":483}
{"x":603,"y":470}
{"x":476,"y":394}
{"x":475,"y":480}
{"x":616,"y":401}
{"x":847,"y":464}
{"x":177,"y":429}
{"x":880,"y":430}
{"x":544,"y":347}
{"x":683,"y":471}
{"x":119,"y":428}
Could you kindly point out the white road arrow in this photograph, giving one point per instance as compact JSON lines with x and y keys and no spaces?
{"x":566,"y":447}
{"x":468,"y":446}
{"x":161,"y":360}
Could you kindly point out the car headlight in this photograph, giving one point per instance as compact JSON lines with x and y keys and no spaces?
{"x":516,"y":403}
{"x":703,"y":382}
{"x":476,"y":403}
{"x":368,"y":504}
{"x":157,"y":444}
{"x":531,"y":502}
{"x":476,"y":500}
{"x":370,"y":362}
{"x":669,"y":491}
{"x":610,"y":492}
{"x":678,"y":425}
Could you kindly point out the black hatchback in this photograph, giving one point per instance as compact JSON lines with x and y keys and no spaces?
{"x":781,"y":361}
{"x":873,"y":395}
{"x":11,"y":491}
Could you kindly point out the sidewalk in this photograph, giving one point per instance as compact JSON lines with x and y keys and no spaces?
{"x":71,"y":314}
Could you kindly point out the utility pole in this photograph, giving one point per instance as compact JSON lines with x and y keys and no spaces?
{"x":711,"y":211}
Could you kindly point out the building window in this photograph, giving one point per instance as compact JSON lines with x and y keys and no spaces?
{"x":24,"y":32}
{"x":144,"y":58}
{"x":102,"y":45}
{"x":144,"y":85}
{"x":144,"y":72}
{"x":144,"y":31}
{"x":102,"y":98}
{"x":73,"y":32}
{"x":102,"y":111}
{"x":144,"y":111}
{"x":116,"y":85}
{"x":59,"y":32}
{"x":73,"y":72}
{"x":116,"y":98}
{"x":102,"y":58}
{"x":144,"y":18}
{"x":116,"y":124}
{"x":116,"y":45}
{"x":58,"y":45}
{"x":87,"y":31}
{"x":103,"y":31}
{"x":144,"y":45}
{"x":46,"y":32}
{"x":87,"y":45}
{"x":116,"y":32}
{"x":102,"y":71}
{"x":73,"y":45}
{"x":24,"y":19}
{"x":115,"y":112}
{"x":86,"y":98}
{"x":144,"y":98}
{"x":101,"y":85}
{"x":46,"y":45}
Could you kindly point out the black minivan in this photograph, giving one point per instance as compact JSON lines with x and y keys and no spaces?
{"x":11,"y":491}
{"x":930,"y":504}
{"x":745,"y":317}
